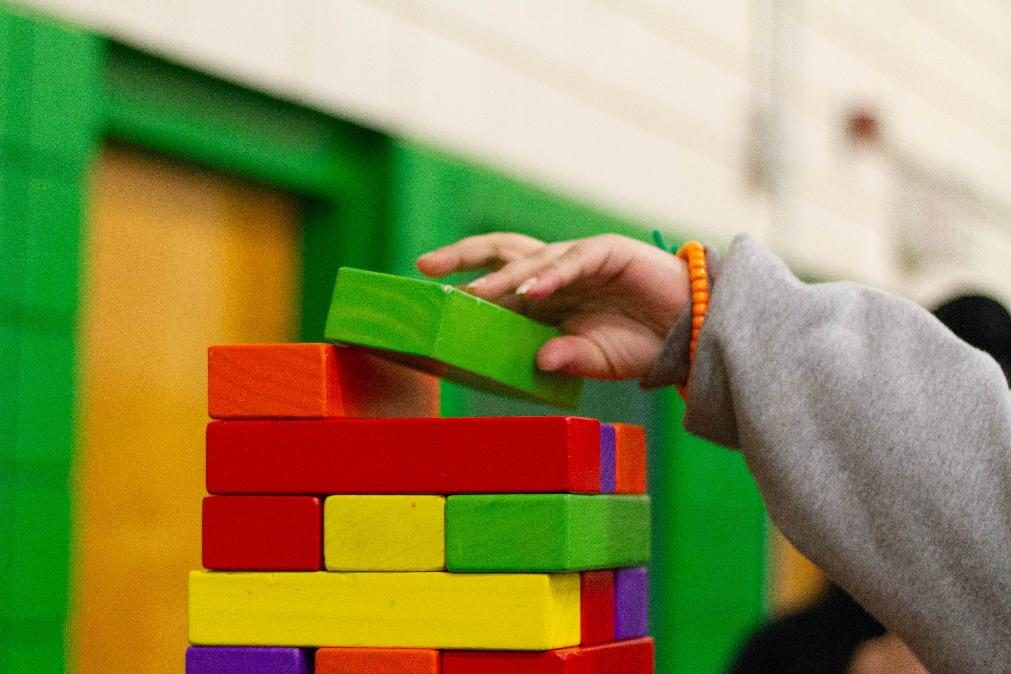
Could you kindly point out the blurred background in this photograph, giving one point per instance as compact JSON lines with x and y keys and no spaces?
{"x":176,"y":174}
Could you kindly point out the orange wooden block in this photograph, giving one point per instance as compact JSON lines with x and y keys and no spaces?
{"x":276,"y":381}
{"x":378,"y":388}
{"x":313,"y":381}
{"x":635,"y":656}
{"x":630,"y":459}
{"x":377,"y":661}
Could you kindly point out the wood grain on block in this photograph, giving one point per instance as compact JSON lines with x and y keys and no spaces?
{"x":607,"y":458}
{"x":384,"y":533}
{"x":310,"y":381}
{"x":246,"y":660}
{"x":597,"y":612}
{"x":447,"y":332}
{"x":262,"y":533}
{"x":620,"y":657}
{"x":631,"y":591}
{"x":405,"y":456}
{"x":630,"y":459}
{"x":546,"y":532}
{"x":375,"y":609}
{"x":248,"y":381}
{"x":377,"y":661}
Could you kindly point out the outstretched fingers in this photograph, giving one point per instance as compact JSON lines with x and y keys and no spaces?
{"x":477,"y":252}
{"x":581,"y":260}
{"x":511,"y":277}
{"x":550,"y":268}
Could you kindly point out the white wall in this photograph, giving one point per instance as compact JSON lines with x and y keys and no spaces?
{"x":664,"y":109}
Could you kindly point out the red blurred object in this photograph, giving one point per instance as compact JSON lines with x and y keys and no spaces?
{"x":863,"y":126}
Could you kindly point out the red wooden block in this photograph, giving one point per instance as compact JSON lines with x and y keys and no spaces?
{"x":377,"y":661}
{"x":404,"y":456}
{"x":263,"y":533}
{"x":618,"y":657}
{"x":313,"y":381}
{"x":596,"y":608}
{"x":630,"y":452}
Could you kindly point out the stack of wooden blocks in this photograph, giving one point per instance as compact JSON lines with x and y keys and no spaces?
{"x":337,"y":543}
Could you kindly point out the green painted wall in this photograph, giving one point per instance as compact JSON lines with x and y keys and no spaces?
{"x":711,"y":544}
{"x":50,"y":111}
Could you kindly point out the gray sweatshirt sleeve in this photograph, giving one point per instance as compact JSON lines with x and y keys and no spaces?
{"x":881,"y":444}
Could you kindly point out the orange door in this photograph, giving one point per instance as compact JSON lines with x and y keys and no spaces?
{"x":796,"y":582}
{"x":177,"y":258}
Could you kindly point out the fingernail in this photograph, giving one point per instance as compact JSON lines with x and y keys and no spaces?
{"x":477,"y":283}
{"x":526,"y":286}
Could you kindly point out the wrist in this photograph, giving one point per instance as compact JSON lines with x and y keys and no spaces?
{"x":673,"y":364}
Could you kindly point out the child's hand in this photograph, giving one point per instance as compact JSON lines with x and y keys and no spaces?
{"x":615,"y":298}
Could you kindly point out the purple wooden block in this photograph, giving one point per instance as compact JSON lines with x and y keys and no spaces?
{"x":631,"y":603}
{"x":608,"y":460}
{"x":246,"y":660}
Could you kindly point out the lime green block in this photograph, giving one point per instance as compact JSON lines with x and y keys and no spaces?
{"x":39,"y":566}
{"x":546,"y":532}
{"x":36,"y":646}
{"x":447,"y":332}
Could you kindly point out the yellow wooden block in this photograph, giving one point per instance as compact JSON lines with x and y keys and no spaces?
{"x":505,"y":611}
{"x":384,"y":533}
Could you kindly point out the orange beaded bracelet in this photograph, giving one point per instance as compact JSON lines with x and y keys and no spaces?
{"x":694,"y":255}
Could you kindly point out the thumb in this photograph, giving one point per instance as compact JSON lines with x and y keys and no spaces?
{"x":576,"y":356}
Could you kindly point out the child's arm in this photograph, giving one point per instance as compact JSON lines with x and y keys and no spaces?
{"x":881,"y":443}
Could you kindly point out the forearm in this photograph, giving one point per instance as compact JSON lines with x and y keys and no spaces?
{"x":881,"y":444}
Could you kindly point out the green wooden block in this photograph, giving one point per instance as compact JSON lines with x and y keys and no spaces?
{"x":546,"y":532}
{"x":40,"y":563}
{"x":36,"y":646}
{"x":448,"y":332}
